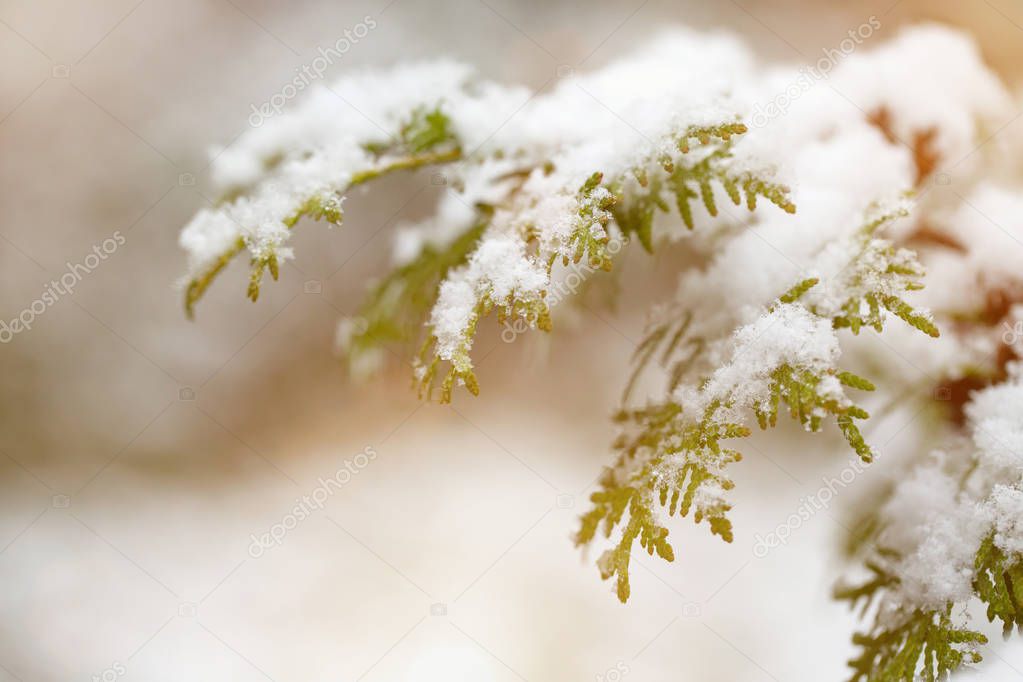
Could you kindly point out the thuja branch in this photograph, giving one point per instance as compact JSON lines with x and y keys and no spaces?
{"x":326,"y":207}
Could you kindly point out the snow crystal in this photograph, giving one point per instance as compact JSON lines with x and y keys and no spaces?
{"x":1006,"y":504}
{"x":787,"y":335}
{"x":496,"y":271}
{"x":207,"y":236}
{"x":996,"y":419}
{"x":940,"y":570}
{"x":938,"y":534}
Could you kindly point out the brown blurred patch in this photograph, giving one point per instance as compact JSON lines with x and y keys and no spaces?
{"x":925,"y":157}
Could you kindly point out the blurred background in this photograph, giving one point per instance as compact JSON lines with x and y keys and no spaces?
{"x":140,"y":453}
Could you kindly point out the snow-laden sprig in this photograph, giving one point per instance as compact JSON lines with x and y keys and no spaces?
{"x":686,"y":476}
{"x":849,"y":277}
{"x":951,"y":533}
{"x":874,"y":281}
{"x":927,"y":646}
{"x":786,"y":359}
{"x":302,"y":163}
{"x":396,"y":308}
{"x":546,"y":223}
{"x":678,"y":180}
{"x":673,"y":458}
{"x":260,"y":221}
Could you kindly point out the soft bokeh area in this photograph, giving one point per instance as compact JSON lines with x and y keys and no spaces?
{"x":142,"y":455}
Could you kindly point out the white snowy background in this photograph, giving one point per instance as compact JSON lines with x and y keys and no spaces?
{"x":139,"y":452}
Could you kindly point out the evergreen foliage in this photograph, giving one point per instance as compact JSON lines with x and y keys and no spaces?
{"x":561,"y":190}
{"x":998,"y":581}
{"x":424,"y":139}
{"x":631,"y":201}
{"x":906,"y":645}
